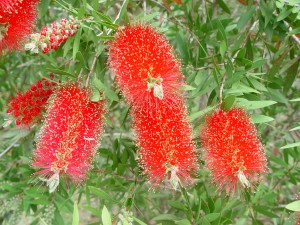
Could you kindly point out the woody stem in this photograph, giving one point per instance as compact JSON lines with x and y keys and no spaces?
{"x":91,"y":70}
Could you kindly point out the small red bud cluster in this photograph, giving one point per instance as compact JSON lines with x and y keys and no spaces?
{"x":52,"y":37}
{"x":17,"y":19}
{"x":27,"y":108}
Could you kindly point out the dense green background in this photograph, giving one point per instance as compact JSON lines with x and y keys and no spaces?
{"x":253,"y":50}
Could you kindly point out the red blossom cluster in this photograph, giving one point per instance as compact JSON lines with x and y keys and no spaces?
{"x":17,"y":18}
{"x":233,"y":151}
{"x":71,"y":131}
{"x":27,"y":108}
{"x":149,"y":76}
{"x":52,"y":37}
{"x":165,"y":141}
{"x":144,"y":63}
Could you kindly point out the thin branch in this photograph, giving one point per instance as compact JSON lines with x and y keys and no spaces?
{"x":222,"y":87}
{"x":245,"y":39}
{"x":294,"y":37}
{"x":8,"y":148}
{"x":284,"y":176}
{"x":119,"y":14}
{"x":91,"y":70}
{"x":80,"y":75}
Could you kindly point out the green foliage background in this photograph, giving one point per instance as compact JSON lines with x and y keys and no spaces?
{"x":250,"y":51}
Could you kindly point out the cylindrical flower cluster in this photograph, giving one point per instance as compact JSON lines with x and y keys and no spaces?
{"x":52,"y":37}
{"x":165,"y":141}
{"x":70,"y":134}
{"x":144,"y":64}
{"x":27,"y":108}
{"x":149,"y":76}
{"x":17,"y":18}
{"x":233,"y":151}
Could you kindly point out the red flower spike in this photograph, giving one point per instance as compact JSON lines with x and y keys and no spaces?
{"x":144,"y":64}
{"x":17,"y":18}
{"x":233,"y":151}
{"x":165,"y":140}
{"x":27,"y":108}
{"x":70,"y":134}
{"x":149,"y":76}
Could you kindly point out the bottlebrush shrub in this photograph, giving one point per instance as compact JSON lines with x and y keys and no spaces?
{"x":69,"y":136}
{"x":17,"y":18}
{"x":52,"y":37}
{"x":27,"y":108}
{"x":164,"y":137}
{"x":233,"y":151}
{"x":144,"y":64}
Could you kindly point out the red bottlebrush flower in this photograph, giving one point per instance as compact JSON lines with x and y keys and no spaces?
{"x":16,"y":22}
{"x":165,"y":140}
{"x":144,"y":64}
{"x":233,"y":151}
{"x":52,"y":37}
{"x":27,"y":108}
{"x":70,"y":134}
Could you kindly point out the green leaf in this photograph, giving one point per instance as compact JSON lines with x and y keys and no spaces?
{"x":43,"y":8}
{"x":293,"y":145}
{"x":223,"y":48}
{"x":257,"y":64}
{"x":223,"y":5}
{"x":291,"y":76}
{"x":177,"y":205}
{"x":187,"y":87}
{"x":100,"y":193}
{"x":201,"y":113}
{"x":76,"y":43}
{"x":148,"y":17}
{"x":211,"y":217}
{"x":75,"y":215}
{"x":95,"y":96}
{"x":246,"y":17}
{"x":60,"y":72}
{"x":265,"y":211}
{"x":94,"y":211}
{"x":261,"y":119}
{"x":295,"y":100}
{"x":106,"y":218}
{"x":228,"y":102}
{"x":138,"y":221}
{"x":294,"y":31}
{"x":279,"y":161}
{"x":40,"y":201}
{"x":170,"y":217}
{"x":67,"y":46}
{"x":283,"y":15}
{"x":294,"y":206}
{"x":111,"y":95}
{"x":183,"y":222}
{"x":295,"y":128}
{"x":257,"y":85}
{"x":122,"y":11}
{"x":241,"y":88}
{"x":253,"y":104}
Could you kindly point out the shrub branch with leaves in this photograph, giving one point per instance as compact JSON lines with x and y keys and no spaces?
{"x":149,"y":112}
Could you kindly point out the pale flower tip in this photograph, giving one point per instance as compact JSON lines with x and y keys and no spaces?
{"x":243,"y":179}
{"x":53,"y":182}
{"x":32,"y":47}
{"x":158,"y":91}
{"x":174,"y":179}
{"x":7,"y":123}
